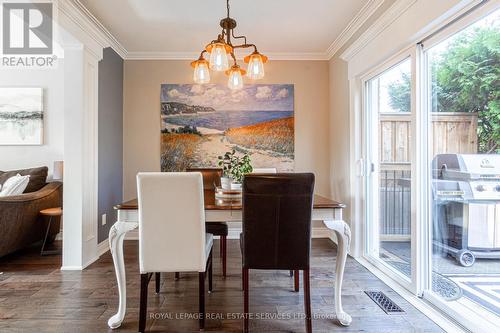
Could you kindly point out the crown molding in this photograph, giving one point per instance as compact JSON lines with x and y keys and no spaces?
{"x":389,"y":16}
{"x":97,"y":31}
{"x":152,"y":55}
{"x":82,"y":17}
{"x":297,"y":56}
{"x":354,"y":25}
{"x":194,"y":55}
{"x":88,"y":22}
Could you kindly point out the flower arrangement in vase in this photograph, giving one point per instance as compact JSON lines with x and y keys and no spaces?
{"x":233,"y":168}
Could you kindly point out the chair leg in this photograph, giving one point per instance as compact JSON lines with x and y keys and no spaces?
{"x":245,"y":300}
{"x":307,"y":300}
{"x":296,"y":280}
{"x":201,"y":289}
{"x":223,"y":254}
{"x":143,"y":302}
{"x":177,"y":275}
{"x":210,"y":271}
{"x":157,"y":283}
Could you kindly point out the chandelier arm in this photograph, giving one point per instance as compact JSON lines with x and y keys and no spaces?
{"x":244,"y":46}
{"x":201,"y":54}
{"x":234,"y":58}
{"x":238,"y":37}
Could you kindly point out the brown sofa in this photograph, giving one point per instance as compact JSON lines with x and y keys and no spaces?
{"x":20,"y":222}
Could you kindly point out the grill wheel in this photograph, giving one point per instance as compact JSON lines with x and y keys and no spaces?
{"x":465,"y":258}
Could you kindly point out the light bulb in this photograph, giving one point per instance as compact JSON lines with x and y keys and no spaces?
{"x":201,"y":73}
{"x":235,"y":77}
{"x":255,"y":69}
{"x":218,"y":57}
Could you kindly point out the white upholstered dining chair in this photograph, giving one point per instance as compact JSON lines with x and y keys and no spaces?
{"x":172,"y":231}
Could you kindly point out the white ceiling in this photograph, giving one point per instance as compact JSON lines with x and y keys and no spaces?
{"x":185,"y":26}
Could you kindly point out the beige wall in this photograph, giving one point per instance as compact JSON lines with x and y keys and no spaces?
{"x":339,"y":119}
{"x":141,"y":119}
{"x":339,"y":133}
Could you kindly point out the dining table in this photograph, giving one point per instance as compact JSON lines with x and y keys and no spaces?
{"x":326,"y":210}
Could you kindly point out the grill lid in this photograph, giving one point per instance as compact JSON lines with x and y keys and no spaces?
{"x":468,"y":167}
{"x":477,"y":175}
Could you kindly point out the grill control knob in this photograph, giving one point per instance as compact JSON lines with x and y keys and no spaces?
{"x":480,"y":188}
{"x":497,"y":188}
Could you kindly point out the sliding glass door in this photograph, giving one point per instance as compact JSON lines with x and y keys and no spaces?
{"x":390,"y":124}
{"x":432,"y":160}
{"x":463,"y":105}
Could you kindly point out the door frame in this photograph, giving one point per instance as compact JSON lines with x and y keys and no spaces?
{"x":371,"y":167}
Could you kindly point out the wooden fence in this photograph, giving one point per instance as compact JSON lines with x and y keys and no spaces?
{"x":451,"y":133}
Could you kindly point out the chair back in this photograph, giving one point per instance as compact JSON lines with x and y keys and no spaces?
{"x":171,"y":222}
{"x":277,"y":213}
{"x":211,"y":176}
{"x":264,"y":170}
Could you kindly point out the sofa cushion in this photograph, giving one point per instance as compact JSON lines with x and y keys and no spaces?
{"x":38,"y":177}
{"x":14,"y":185}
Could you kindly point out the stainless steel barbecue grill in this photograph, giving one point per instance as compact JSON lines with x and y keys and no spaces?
{"x":466,"y":190}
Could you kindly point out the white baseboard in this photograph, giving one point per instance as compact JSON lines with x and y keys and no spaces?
{"x":103,"y":247}
{"x":71,"y":268}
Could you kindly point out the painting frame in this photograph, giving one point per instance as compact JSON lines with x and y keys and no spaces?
{"x":22,"y":116}
{"x":201,"y":122}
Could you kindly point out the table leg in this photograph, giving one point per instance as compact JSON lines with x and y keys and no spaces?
{"x":343,"y":233}
{"x":116,"y":235}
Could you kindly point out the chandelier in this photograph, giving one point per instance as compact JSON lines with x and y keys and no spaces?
{"x":220,"y":50}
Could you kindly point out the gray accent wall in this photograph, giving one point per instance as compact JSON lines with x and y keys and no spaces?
{"x":110,"y":139}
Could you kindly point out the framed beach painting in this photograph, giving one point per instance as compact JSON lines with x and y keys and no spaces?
{"x":201,"y":122}
{"x":21,"y":116}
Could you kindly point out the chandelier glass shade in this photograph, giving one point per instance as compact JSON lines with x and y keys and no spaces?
{"x":235,"y":77}
{"x":218,"y":56}
{"x":255,"y":68}
{"x":221,"y":51}
{"x":201,"y":72}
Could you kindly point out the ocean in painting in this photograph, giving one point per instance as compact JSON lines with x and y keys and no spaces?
{"x":223,"y":120}
{"x":201,"y":122}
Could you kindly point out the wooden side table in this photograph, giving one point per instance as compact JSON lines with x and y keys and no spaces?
{"x":50,"y":213}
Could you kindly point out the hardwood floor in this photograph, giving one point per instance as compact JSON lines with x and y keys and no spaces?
{"x":35,"y":296}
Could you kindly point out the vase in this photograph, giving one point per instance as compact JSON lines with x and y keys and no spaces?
{"x":226,"y":182}
{"x":235,"y":186}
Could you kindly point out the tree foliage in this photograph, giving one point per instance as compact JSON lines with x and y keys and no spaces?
{"x":465,"y":78}
{"x":400,"y":93}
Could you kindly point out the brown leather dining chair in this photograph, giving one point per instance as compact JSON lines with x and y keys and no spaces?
{"x":211,"y":179}
{"x":276,"y":235}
